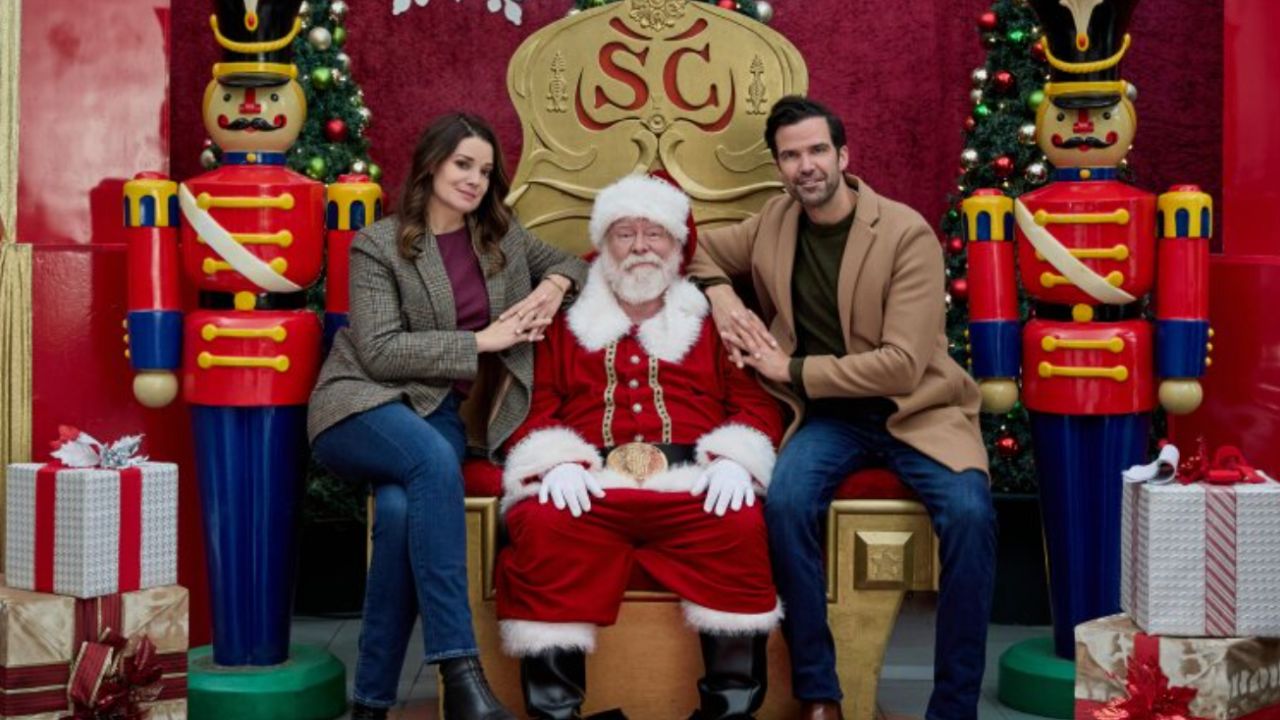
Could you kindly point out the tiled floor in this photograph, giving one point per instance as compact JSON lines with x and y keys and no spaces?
{"x":904,"y":683}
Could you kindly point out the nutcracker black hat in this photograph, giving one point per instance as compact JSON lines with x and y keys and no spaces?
{"x":257,"y":41}
{"x":1084,"y":41}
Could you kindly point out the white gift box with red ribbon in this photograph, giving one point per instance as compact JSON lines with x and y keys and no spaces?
{"x":87,"y":532}
{"x":1200,"y":559}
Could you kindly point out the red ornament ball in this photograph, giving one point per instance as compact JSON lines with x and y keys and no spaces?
{"x":1002,"y":166}
{"x":988,"y":21}
{"x":1037,"y":50}
{"x":1007,"y":446}
{"x":970,"y":123}
{"x":955,"y":245}
{"x":959,"y":289}
{"x":335,"y":130}
{"x":1003,"y":81}
{"x":728,"y":4}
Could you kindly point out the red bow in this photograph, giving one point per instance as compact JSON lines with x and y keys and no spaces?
{"x":1149,"y":695}
{"x":1227,"y":468}
{"x":117,"y":690}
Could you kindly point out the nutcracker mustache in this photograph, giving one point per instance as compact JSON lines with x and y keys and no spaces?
{"x":1089,"y":140}
{"x":250,"y":123}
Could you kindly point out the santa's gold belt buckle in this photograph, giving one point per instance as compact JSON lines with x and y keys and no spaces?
{"x":638,"y":461}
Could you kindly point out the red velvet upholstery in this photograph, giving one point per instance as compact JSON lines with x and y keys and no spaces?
{"x":484,"y":479}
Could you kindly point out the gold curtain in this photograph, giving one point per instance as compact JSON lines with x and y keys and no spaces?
{"x":15,"y":259}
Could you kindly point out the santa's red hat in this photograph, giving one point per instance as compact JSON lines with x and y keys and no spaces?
{"x":655,"y":197}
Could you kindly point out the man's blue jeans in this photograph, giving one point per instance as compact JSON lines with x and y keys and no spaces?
{"x":809,"y":470}
{"x":419,"y":536}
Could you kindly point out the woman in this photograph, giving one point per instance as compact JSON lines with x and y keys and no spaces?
{"x":424,"y":288}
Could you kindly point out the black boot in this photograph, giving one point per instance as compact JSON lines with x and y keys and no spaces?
{"x":554,"y":683}
{"x":466,"y":693}
{"x":737,"y":676}
{"x":364,"y":712}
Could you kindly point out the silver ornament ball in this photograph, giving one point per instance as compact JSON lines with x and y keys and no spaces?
{"x":304,"y":9}
{"x":1037,"y":173}
{"x":975,"y":96}
{"x":979,"y":77}
{"x":764,"y":11}
{"x":572,"y":11}
{"x":969,"y":159}
{"x":338,"y":9}
{"x":344,"y":61}
{"x":320,"y":38}
{"x":339,"y":77}
{"x":366,"y":116}
{"x":208,"y":159}
{"x":1027,"y":134}
{"x":359,"y":167}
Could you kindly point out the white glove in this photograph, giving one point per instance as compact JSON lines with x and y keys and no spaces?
{"x":727,"y":484}
{"x":568,"y":485}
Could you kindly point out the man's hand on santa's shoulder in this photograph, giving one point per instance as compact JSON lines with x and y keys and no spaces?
{"x":727,"y":485}
{"x":569,"y":485}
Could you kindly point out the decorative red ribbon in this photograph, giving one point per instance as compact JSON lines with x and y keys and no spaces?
{"x":1148,"y":694}
{"x":1228,"y":467}
{"x":129,"y":573}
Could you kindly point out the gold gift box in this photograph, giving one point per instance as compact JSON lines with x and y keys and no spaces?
{"x":41,"y":634}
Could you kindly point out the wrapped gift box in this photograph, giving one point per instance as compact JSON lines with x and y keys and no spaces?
{"x":41,"y":635}
{"x":1119,"y":668}
{"x":87,"y":532}
{"x":1202,"y":560}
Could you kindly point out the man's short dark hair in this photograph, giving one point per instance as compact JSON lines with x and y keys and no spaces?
{"x":792,"y":109}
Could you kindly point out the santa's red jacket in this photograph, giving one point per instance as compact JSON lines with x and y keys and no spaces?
{"x":600,"y":381}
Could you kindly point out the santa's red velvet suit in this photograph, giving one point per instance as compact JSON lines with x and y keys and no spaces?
{"x":601,"y":382}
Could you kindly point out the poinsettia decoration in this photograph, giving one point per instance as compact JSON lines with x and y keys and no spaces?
{"x":1149,"y":696}
{"x":76,"y":449}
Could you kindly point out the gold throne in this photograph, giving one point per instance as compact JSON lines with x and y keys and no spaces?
{"x":683,"y":86}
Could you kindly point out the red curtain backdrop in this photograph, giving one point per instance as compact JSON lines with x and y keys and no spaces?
{"x":896,"y":70}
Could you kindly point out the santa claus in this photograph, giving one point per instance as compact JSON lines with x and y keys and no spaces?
{"x":644,"y":445}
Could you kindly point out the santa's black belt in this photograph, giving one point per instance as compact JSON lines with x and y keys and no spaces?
{"x":674,"y":452}
{"x":1101,"y":313}
{"x":213,"y":300}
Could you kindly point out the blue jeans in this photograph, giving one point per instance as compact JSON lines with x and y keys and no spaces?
{"x":419,"y":561}
{"x":809,"y":470}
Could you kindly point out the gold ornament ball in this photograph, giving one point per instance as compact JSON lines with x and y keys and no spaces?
{"x":320,"y":38}
{"x":998,"y":396}
{"x":1180,"y":396}
{"x":155,"y":388}
{"x":1027,"y":134}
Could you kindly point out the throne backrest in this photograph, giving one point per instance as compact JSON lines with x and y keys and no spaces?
{"x":641,"y":85}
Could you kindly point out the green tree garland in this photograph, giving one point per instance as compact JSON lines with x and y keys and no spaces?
{"x":999,"y":152}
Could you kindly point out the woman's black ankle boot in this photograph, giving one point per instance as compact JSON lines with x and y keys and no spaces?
{"x":364,"y":712}
{"x":466,"y":692}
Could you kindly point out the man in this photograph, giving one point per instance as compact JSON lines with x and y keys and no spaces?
{"x":851,"y":285}
{"x":636,"y":409}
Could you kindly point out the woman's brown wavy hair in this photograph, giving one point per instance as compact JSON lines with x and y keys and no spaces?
{"x":491,"y":219}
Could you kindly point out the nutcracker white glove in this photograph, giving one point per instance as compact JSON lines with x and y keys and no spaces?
{"x":570,"y":485}
{"x":728,"y":486}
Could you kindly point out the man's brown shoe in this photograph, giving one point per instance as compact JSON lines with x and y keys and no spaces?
{"x":821,"y":710}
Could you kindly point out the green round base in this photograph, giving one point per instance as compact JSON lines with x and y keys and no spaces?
{"x":1033,"y":679}
{"x":310,"y":685}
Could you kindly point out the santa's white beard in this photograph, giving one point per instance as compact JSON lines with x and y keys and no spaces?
{"x":635,"y":280}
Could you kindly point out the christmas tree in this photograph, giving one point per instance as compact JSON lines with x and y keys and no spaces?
{"x":999,"y":152}
{"x":761,"y":10}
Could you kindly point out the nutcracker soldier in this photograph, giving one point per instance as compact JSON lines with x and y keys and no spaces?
{"x":1090,"y":250}
{"x":250,"y":241}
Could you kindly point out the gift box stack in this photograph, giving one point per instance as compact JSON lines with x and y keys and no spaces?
{"x":92,"y":622}
{"x":1200,"y":636}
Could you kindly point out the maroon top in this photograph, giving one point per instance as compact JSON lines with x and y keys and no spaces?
{"x":470,"y":295}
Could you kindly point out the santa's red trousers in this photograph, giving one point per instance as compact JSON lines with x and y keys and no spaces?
{"x":561,"y":568}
